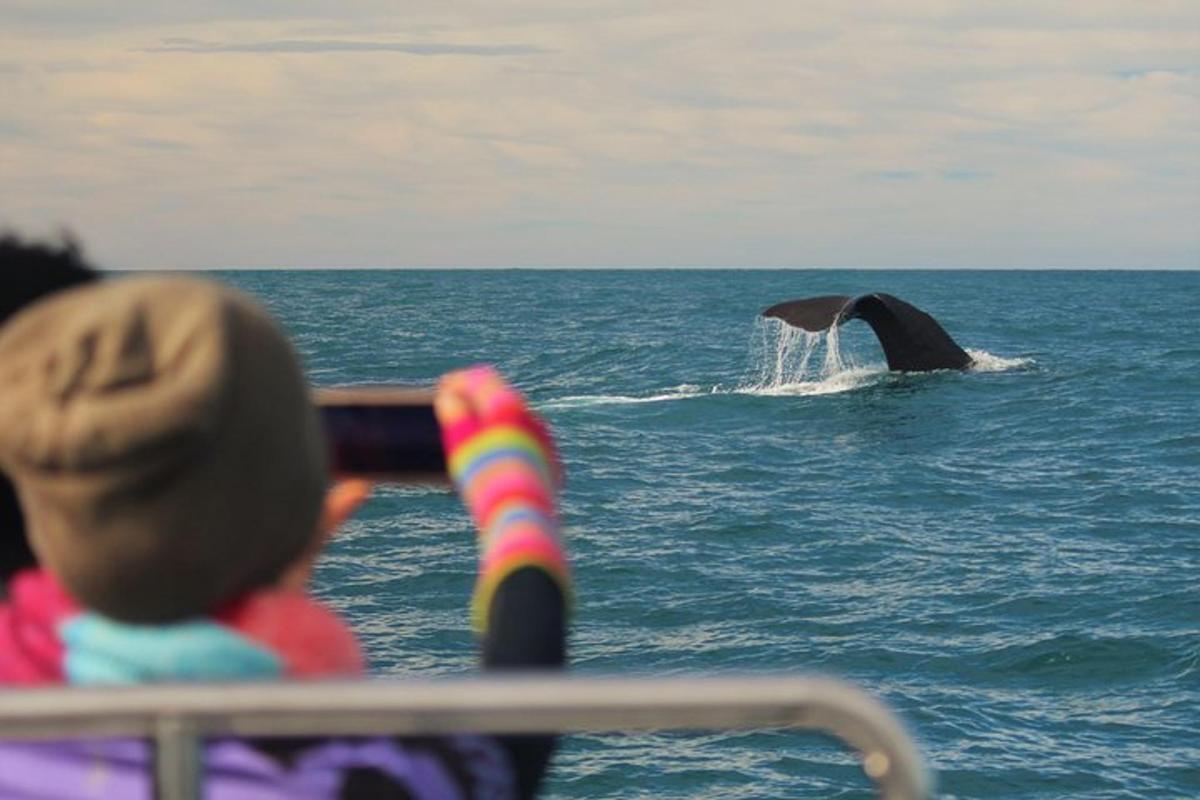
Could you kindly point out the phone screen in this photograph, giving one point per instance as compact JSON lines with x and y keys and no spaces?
{"x":382,"y":435}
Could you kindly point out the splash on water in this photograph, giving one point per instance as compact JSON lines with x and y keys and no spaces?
{"x":681,"y":392}
{"x":790,"y":361}
{"x":983,"y":361}
{"x":785,"y":361}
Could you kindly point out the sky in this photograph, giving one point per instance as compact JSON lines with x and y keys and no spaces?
{"x":772,"y":133}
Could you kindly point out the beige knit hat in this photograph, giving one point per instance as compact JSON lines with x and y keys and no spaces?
{"x":161,"y":438}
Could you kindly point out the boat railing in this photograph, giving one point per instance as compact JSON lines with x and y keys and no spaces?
{"x":177,"y":718}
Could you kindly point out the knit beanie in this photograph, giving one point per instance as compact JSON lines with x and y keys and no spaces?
{"x":163,"y":444}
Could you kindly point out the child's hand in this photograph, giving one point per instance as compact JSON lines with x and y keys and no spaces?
{"x":341,"y":501}
{"x":495,"y":446}
{"x":503,"y":462}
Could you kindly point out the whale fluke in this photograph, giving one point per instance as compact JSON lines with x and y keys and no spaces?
{"x":814,"y":314}
{"x":912,"y":340}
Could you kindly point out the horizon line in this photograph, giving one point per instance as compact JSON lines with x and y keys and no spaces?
{"x":654,"y":268}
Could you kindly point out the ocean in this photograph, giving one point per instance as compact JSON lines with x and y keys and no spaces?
{"x":1008,"y":556}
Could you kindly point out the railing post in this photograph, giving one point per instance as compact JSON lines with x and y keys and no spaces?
{"x":177,"y":760}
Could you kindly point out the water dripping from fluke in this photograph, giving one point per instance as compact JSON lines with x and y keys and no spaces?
{"x":791,"y":361}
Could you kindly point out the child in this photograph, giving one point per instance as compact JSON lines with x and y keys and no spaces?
{"x":172,"y":472}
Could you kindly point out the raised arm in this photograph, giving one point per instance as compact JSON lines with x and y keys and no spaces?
{"x":504,"y":465}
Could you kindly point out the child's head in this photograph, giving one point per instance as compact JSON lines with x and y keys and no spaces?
{"x":163,"y":444}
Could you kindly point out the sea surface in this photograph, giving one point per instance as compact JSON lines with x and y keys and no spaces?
{"x":1009,"y":556}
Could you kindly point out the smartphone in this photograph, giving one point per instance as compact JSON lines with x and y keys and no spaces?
{"x":382,"y":433}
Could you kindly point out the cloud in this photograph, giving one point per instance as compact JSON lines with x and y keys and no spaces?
{"x":320,"y":46}
{"x":897,"y":175}
{"x":964,"y":175}
{"x":11,"y":129}
{"x":918,"y":132}
{"x":160,"y":144}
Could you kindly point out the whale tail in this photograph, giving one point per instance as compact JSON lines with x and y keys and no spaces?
{"x":912,"y":340}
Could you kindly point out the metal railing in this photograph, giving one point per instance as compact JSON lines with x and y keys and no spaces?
{"x":177,"y":717}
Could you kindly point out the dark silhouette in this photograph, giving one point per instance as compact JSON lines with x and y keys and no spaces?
{"x":28,"y":272}
{"x":912,"y":340}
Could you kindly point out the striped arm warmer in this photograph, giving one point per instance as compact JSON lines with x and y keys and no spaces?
{"x":502,"y":460}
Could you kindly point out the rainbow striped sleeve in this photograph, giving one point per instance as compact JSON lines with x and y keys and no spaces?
{"x":504,"y":470}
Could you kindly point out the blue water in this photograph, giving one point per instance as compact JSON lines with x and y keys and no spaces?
{"x":1009,"y":556}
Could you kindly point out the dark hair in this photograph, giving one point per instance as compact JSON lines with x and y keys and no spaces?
{"x":28,"y":272}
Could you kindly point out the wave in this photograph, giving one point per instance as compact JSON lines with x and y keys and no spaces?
{"x":983,"y":361}
{"x":845,"y":381}
{"x":785,"y":362}
{"x":682,"y":392}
